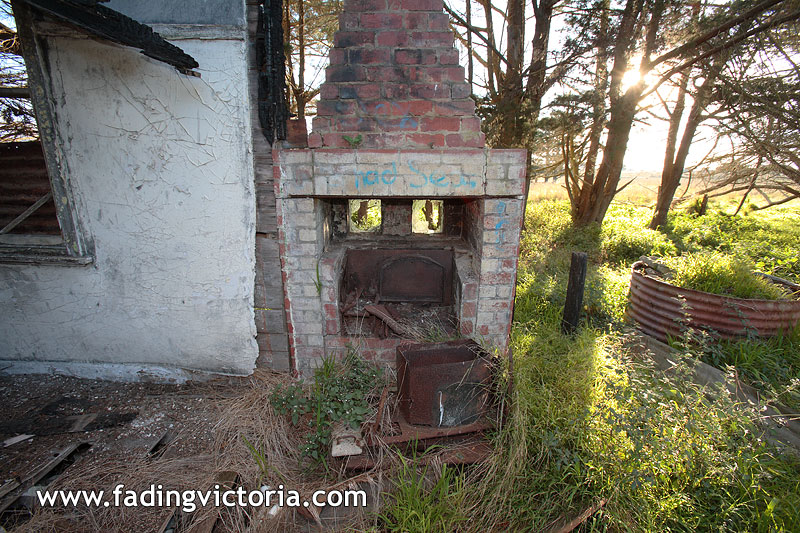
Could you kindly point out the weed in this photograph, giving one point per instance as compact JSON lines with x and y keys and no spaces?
{"x":260,"y":457}
{"x":417,"y":503}
{"x":318,"y":281}
{"x":771,"y":365}
{"x":354,"y":142}
{"x":722,"y":274}
{"x":340,"y":393}
{"x":589,"y":421}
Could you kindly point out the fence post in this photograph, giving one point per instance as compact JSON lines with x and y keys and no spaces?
{"x":574,"y":301}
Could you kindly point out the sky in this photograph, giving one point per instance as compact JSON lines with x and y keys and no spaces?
{"x":645,"y":151}
{"x":646,"y":146}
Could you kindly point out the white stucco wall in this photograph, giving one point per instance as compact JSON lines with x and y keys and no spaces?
{"x":160,"y":166}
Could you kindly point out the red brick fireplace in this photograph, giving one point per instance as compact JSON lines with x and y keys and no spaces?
{"x":395,"y":205}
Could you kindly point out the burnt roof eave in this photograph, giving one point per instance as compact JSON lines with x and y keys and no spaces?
{"x":113,"y":26}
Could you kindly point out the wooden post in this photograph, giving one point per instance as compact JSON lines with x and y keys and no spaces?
{"x":574,"y":301}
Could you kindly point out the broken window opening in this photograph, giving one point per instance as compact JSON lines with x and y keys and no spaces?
{"x":364,"y":216}
{"x":36,"y":219}
{"x":427,"y":216}
{"x":26,"y":198}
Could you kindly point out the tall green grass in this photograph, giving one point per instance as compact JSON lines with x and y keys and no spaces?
{"x":590,"y":421}
{"x":769,"y":239}
{"x":722,"y":274}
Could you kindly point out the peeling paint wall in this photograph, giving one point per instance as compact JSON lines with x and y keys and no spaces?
{"x":160,"y":167}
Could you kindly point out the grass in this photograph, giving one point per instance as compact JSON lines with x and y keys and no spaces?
{"x":722,"y":274}
{"x":591,"y":421}
{"x":423,"y":499}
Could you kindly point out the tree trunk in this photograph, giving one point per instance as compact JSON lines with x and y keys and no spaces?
{"x":301,"y":67}
{"x":673,"y":170}
{"x":669,"y":179}
{"x":490,"y":56}
{"x":595,"y":197}
{"x":598,"y":103}
{"x":511,"y":88}
{"x":470,"y":61}
{"x":535,"y":84}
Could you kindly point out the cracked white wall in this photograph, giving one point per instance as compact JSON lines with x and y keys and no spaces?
{"x":160,"y":166}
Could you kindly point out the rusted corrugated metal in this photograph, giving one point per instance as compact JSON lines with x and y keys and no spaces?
{"x":661,"y":309}
{"x":23,"y":180}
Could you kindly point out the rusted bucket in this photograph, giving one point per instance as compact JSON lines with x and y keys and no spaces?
{"x":443,"y":384}
{"x":661,"y":309}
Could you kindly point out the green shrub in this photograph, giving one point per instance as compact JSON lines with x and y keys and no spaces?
{"x":722,"y":274}
{"x":769,"y":239}
{"x":624,"y":242}
{"x":340,"y":393}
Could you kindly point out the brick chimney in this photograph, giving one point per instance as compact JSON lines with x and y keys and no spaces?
{"x":394,"y":80}
{"x":396,"y":127}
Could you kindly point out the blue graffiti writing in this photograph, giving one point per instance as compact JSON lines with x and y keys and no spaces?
{"x":406,"y":122}
{"x":501,"y":233}
{"x":499,"y":227}
{"x":388,"y":176}
{"x":371,"y":177}
{"x":438,"y":181}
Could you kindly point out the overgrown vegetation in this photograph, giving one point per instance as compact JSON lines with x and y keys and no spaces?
{"x":423,"y":500}
{"x":722,"y":274}
{"x":594,"y":426}
{"x":339,"y":393}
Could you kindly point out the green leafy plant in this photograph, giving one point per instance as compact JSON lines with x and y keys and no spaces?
{"x":318,"y":281}
{"x":340,"y":392}
{"x":354,"y":142}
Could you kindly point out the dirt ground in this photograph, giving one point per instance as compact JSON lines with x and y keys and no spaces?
{"x":179,"y":436}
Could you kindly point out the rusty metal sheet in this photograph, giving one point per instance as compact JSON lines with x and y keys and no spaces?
{"x":444,"y":384}
{"x":400,"y":275}
{"x":662,"y":310}
{"x":411,"y":278}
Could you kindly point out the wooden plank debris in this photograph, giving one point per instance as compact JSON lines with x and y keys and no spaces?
{"x":14,"y":440}
{"x":50,"y":469}
{"x":8,"y":487}
{"x":382,"y":312}
{"x":226,"y":480}
{"x":578,"y":520}
{"x":114,"y":26}
{"x":160,"y":445}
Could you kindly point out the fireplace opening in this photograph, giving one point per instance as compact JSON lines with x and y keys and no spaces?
{"x":426,"y":216}
{"x":364,"y":216}
{"x":386,"y":219}
{"x":406,"y":293}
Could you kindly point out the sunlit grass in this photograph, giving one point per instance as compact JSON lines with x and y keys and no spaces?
{"x":591,"y":420}
{"x":722,"y":274}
